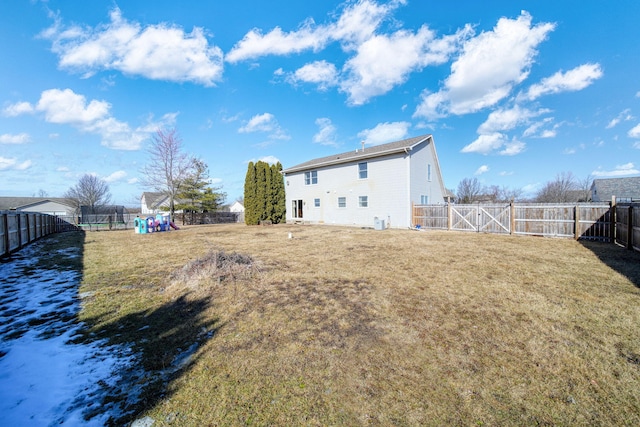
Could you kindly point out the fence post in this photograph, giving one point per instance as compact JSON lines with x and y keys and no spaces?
{"x":5,"y":224}
{"x":613,"y":213}
{"x":630,"y":227}
{"x":512,"y":217}
{"x":449,"y":217}
{"x":576,"y":216}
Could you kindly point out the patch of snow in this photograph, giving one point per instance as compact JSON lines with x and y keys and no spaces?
{"x":45,"y":377}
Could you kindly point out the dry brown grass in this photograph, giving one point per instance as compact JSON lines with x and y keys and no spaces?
{"x":345,"y":326}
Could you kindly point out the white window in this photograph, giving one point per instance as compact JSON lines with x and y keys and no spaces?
{"x":429,"y":172}
{"x":362,"y":170}
{"x":342,"y":202}
{"x":316,"y":203}
{"x":424,"y":200}
{"x":310,"y":177}
{"x":363,"y":201}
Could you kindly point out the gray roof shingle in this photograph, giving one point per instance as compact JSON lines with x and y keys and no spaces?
{"x":622,"y":188}
{"x":367,"y":153}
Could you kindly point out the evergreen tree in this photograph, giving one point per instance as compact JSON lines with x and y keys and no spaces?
{"x":250,"y":207}
{"x":262,"y":193}
{"x":192,"y":188}
{"x":279,"y":196}
{"x":264,"y":196}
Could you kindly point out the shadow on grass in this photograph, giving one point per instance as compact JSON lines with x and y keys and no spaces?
{"x":622,"y":260}
{"x":164,"y":342}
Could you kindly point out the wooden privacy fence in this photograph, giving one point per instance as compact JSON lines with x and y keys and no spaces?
{"x":18,"y":229}
{"x":593,"y":221}
{"x":627,"y":232}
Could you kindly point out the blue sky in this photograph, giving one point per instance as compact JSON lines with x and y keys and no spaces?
{"x":514,"y":93}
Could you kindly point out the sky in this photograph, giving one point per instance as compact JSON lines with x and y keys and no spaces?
{"x":513,"y":92}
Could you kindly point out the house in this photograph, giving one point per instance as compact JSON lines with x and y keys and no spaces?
{"x":236,"y":207}
{"x":153,"y":203}
{"x":372,"y":186}
{"x":48,"y":205}
{"x":624,"y":189}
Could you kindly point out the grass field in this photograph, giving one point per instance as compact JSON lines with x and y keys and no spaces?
{"x":242,"y":325}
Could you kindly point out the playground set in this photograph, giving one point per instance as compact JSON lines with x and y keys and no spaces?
{"x":153,"y":225}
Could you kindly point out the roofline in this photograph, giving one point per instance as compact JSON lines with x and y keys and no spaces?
{"x":365,"y":155}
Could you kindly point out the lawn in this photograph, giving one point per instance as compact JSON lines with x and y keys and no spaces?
{"x":242,"y":325}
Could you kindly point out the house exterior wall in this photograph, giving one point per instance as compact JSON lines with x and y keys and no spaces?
{"x":393,"y":182}
{"x":51,"y":208}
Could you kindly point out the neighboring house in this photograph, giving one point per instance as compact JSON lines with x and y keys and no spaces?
{"x":49,"y":205}
{"x":155,"y":203}
{"x":362,"y":186}
{"x":236,"y":207}
{"x":625,"y":189}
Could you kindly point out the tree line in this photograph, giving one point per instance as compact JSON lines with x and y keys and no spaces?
{"x":565,"y":188}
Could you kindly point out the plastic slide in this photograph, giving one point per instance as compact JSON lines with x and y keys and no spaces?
{"x":175,"y":227}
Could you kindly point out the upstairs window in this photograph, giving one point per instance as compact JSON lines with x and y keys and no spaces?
{"x":362,"y":170}
{"x":342,"y":202}
{"x":429,"y":172}
{"x":316,"y":203}
{"x":363,"y":201}
{"x":310,"y":177}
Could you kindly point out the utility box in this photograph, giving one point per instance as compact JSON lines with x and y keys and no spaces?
{"x":378,"y":224}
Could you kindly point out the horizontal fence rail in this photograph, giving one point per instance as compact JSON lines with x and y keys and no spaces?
{"x":590,"y":221}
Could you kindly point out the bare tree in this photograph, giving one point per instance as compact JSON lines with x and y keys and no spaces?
{"x":561,"y":190}
{"x":89,"y":191}
{"x":584,"y":186}
{"x":468,"y":190}
{"x":168,"y":165}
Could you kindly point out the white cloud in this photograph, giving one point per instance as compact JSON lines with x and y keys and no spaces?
{"x":506,"y":119}
{"x":512,"y":148}
{"x":272,"y":160}
{"x":634,"y":132}
{"x":159,"y":52}
{"x":321,"y":73}
{"x":370,"y":72}
{"x":266,"y":123}
{"x":66,"y":107}
{"x":488,"y":68}
{"x":385,"y":132}
{"x":11,"y":163}
{"x":625,"y":115}
{"x":357,"y":23}
{"x":486,"y":143}
{"x":21,"y":138}
{"x":115,"y":176}
{"x":132,"y":181}
{"x":482,"y":169}
{"x":326,"y":134}
{"x":571,"y":81}
{"x":620,"y":170}
{"x":535,"y":129}
{"x":17,"y":109}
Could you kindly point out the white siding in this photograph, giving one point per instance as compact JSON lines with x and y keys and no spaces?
{"x":385,"y":187}
{"x":393,"y":182}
